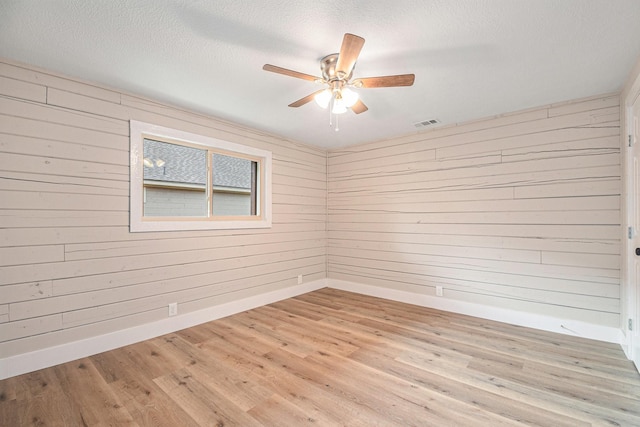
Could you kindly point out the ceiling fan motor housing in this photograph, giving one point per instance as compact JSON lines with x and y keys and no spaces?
{"x":328,"y":68}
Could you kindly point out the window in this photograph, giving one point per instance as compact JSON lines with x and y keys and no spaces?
{"x":183,"y":181}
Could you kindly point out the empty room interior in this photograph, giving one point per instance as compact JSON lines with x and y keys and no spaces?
{"x":336,"y":213}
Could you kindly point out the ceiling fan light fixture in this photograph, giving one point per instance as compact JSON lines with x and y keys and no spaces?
{"x":339,"y":106}
{"x":349,"y":97}
{"x":323,"y":98}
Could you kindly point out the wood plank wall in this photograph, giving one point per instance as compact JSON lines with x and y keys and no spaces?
{"x":520,"y":211}
{"x":70,"y":269}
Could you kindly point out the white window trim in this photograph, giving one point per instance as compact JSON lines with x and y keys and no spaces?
{"x":138,"y":223}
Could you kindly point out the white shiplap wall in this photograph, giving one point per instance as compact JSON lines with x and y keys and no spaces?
{"x":520,"y":212}
{"x":70,"y":269}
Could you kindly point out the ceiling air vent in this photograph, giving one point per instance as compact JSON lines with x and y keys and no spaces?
{"x":426,"y":123}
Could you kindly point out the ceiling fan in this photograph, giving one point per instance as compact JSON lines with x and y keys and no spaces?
{"x":337,"y":70}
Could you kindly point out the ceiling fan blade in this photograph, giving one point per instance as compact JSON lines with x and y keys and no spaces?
{"x":305,"y":100}
{"x":359,"y":107}
{"x":385,"y":81}
{"x":351,"y":47}
{"x":290,"y":73}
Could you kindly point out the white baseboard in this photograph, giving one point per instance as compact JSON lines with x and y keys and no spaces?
{"x":51,"y":356}
{"x":530,"y":320}
{"x":28,"y":362}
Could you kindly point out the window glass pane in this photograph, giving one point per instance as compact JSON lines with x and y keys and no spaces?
{"x":175,"y":180}
{"x":234,"y":186}
{"x":173,"y":174}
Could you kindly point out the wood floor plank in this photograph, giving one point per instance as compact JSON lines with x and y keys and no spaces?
{"x":335,"y":358}
{"x":38,"y":400}
{"x":147,"y":403}
{"x":532,"y":394}
{"x":309,"y":311}
{"x":9,"y":412}
{"x":607,"y":402}
{"x":515,"y":410}
{"x":410,"y":403}
{"x":201,"y":402}
{"x":96,"y":401}
{"x":352,"y":407}
{"x":267,"y":331}
{"x":278,"y":411}
{"x":235,"y":387}
{"x":295,"y":327}
{"x":586,"y":379}
{"x":301,"y":394}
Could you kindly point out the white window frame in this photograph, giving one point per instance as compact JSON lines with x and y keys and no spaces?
{"x":139,"y":223}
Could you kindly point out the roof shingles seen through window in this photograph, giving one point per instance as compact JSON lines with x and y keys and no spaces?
{"x":174,"y":163}
{"x":231,"y":172}
{"x":179,"y":164}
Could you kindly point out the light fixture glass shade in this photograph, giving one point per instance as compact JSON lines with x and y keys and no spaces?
{"x":338,"y":106}
{"x":147,"y":162}
{"x":160,"y":163}
{"x":323,"y":98}
{"x":349,"y":97}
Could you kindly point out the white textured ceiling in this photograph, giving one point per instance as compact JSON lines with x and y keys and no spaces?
{"x":471,"y":58}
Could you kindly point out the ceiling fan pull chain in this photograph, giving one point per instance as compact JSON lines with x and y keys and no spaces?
{"x":331,"y":115}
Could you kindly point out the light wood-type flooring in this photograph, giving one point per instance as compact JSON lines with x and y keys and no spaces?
{"x":332,"y":358}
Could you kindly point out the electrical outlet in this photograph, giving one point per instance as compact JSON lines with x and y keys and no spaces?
{"x":173,"y":309}
{"x":439,"y":291}
{"x":299,"y":279}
